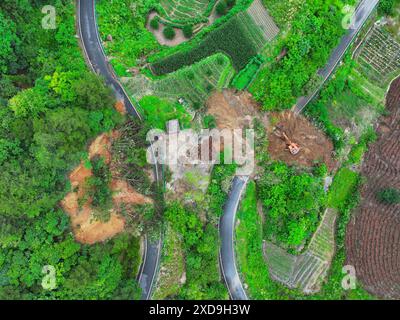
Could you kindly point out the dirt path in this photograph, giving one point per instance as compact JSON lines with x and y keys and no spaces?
{"x":178,"y":39}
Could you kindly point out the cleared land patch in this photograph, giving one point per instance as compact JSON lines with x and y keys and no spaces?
{"x":314,"y":145}
{"x":86,"y":228}
{"x":233,"y":111}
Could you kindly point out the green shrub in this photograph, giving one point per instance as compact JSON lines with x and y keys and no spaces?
{"x":386,"y":7}
{"x":389,"y":196}
{"x":209,"y":122}
{"x":221,"y":174}
{"x":221,"y":8}
{"x":99,"y":188}
{"x":293,"y":202}
{"x":188,"y":31}
{"x":344,"y":184}
{"x":155,"y":23}
{"x":169,"y":32}
{"x":158,"y":111}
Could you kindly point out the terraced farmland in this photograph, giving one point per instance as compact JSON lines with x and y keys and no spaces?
{"x":379,"y":56}
{"x":241,"y":38}
{"x":184,"y":11}
{"x":194,"y":83}
{"x":262,"y":20}
{"x":373,"y":235}
{"x":305,"y":271}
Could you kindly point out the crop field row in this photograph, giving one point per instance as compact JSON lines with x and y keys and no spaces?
{"x":380,"y":56}
{"x":375,"y":92}
{"x":373,"y":235}
{"x":284,"y":11}
{"x":185,"y":11}
{"x":263,"y":20}
{"x":241,"y":38}
{"x":230,"y":38}
{"x":194,"y":83}
{"x":305,"y":271}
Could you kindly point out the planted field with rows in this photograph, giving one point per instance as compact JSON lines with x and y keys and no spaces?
{"x":373,"y":236}
{"x":241,"y":38}
{"x":230,"y":38}
{"x":307,"y":270}
{"x":194,"y":83}
{"x":261,"y":18}
{"x":379,"y":56}
{"x":184,"y":11}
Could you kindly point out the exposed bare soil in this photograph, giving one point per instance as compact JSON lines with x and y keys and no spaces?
{"x":315,"y":147}
{"x":120,"y":107}
{"x":238,"y":110}
{"x":178,"y":39}
{"x":373,"y":234}
{"x":86,"y":229}
{"x":234,"y":110}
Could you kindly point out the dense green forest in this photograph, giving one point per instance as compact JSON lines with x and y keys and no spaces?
{"x":50,"y":108}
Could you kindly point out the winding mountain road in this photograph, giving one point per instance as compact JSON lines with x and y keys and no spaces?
{"x":98,"y":62}
{"x":227,"y":222}
{"x":362,"y":13}
{"x":227,"y":235}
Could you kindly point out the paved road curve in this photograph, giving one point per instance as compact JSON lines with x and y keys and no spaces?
{"x":226,"y":231}
{"x":227,"y":223}
{"x":96,"y":57}
{"x":363,"y":11}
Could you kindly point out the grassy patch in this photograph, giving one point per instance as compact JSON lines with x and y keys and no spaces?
{"x":344,"y":184}
{"x":243,"y":79}
{"x":172,"y":266}
{"x":158,"y":111}
{"x":249,"y":248}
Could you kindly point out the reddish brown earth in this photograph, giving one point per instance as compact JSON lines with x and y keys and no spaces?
{"x":234,"y":110}
{"x":120,"y":107}
{"x":315,"y":147}
{"x":85,"y":227}
{"x":373,"y":234}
